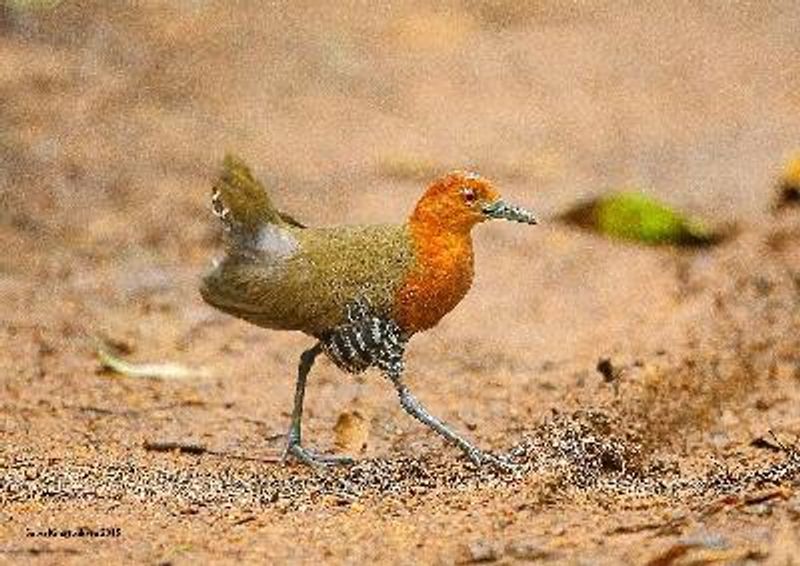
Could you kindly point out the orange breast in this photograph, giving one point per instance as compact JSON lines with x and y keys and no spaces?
{"x":440,"y":279}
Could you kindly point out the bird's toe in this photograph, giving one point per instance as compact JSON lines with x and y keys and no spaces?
{"x":480,"y":458}
{"x":313,"y":458}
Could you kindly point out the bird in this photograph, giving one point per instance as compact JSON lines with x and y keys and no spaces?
{"x":360,"y":291}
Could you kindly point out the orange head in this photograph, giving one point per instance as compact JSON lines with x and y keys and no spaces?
{"x":440,"y":230}
{"x":460,"y":200}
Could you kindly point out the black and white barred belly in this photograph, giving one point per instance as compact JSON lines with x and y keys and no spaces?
{"x":365,"y":341}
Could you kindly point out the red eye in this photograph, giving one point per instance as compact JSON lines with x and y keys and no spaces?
{"x":469,"y":195}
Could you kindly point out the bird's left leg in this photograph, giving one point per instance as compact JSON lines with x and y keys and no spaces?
{"x":414,"y":408}
{"x":293,"y":444}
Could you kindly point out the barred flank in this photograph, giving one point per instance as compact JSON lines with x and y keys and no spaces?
{"x":366,"y":341}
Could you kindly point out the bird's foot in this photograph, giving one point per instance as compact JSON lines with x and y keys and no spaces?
{"x":313,"y":458}
{"x":481,"y":458}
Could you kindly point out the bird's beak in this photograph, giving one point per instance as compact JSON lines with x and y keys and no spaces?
{"x":502,"y":210}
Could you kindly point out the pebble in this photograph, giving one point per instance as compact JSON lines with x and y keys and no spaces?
{"x":480,"y":551}
{"x":529,"y":551}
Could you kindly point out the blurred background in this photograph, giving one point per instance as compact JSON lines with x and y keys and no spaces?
{"x":115,"y":116}
{"x":119,"y":104}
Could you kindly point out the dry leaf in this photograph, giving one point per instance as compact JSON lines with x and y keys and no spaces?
{"x":352,"y":431}
{"x":147,"y":370}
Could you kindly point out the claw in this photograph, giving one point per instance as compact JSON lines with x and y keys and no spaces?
{"x":312,"y":458}
{"x":480,"y":458}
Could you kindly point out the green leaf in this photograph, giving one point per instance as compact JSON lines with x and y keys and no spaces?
{"x":635,"y":216}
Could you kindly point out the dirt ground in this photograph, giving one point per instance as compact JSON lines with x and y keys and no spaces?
{"x":113,"y":120}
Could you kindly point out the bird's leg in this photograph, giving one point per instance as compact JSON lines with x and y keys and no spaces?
{"x":293,"y":444}
{"x":414,"y":408}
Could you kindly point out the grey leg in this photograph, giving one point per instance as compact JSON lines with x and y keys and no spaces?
{"x":414,"y":408}
{"x":293,"y":438}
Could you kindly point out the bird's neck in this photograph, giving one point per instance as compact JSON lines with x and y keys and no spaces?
{"x":441,"y":277}
{"x":438,"y":219}
{"x":441,"y":243}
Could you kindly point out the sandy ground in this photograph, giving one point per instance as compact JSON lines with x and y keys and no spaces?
{"x":113,"y":121}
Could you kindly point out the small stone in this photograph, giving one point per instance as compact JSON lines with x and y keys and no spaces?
{"x":528,"y":551}
{"x":480,"y":551}
{"x":607,"y":370}
{"x":558,"y":531}
{"x":794,"y":509}
{"x":760,"y":509}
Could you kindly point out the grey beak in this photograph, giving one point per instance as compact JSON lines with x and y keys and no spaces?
{"x":502,"y":210}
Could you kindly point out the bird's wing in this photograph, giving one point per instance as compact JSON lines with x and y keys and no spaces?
{"x":311,"y":289}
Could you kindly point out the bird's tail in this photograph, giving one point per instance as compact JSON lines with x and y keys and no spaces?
{"x":241,"y":202}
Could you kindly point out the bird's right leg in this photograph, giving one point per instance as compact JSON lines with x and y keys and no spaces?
{"x":293,"y":440}
{"x":416,"y":410}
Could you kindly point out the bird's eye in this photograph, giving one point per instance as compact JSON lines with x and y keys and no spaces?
{"x":469,"y":195}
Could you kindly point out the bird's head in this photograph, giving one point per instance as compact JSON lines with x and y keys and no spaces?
{"x":460,"y":200}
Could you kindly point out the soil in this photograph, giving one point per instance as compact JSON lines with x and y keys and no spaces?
{"x":647,"y":395}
